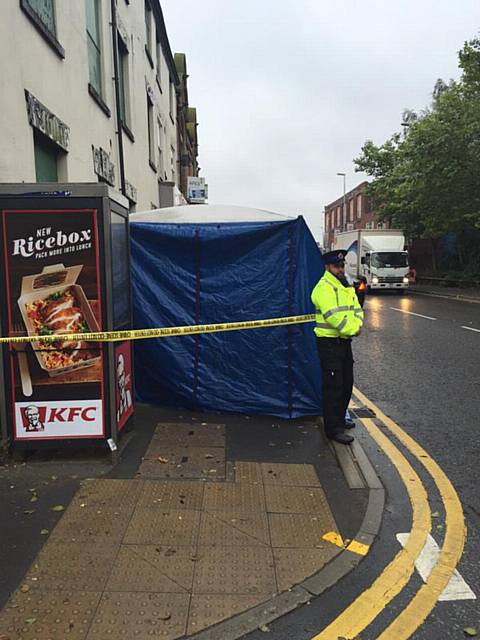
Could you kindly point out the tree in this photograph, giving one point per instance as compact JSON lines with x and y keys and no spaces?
{"x":428,"y":181}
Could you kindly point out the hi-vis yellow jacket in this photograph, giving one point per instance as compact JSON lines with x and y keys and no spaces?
{"x":338,"y":312}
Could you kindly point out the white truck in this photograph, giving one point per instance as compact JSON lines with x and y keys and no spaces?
{"x":376,"y":254}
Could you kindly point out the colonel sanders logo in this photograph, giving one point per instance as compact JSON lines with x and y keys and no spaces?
{"x":33,"y":419}
{"x":123,"y":382}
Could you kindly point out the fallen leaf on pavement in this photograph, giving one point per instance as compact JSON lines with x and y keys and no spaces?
{"x":165,"y":616}
{"x":435,"y":514}
{"x":30,"y":620}
{"x":264,"y":628}
{"x":28,"y":512}
{"x":208,"y":456}
{"x":44,"y":532}
{"x":24,"y":588}
{"x":58,"y":507}
{"x":162,"y":460}
{"x":470,"y":631}
{"x":34,"y":499}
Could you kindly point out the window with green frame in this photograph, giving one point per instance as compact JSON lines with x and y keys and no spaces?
{"x":46,"y":159}
{"x":123,"y":81}
{"x":94,"y":45}
{"x":45,"y":11}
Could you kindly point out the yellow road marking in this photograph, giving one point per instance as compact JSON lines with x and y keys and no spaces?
{"x":427,"y":596}
{"x":351,"y":545}
{"x":358,"y":547}
{"x":369,"y":604}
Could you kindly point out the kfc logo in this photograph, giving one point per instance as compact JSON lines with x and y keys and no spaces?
{"x":32,"y":419}
{"x":123,"y":358}
{"x":48,"y":419}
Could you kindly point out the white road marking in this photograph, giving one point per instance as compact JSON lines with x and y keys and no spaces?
{"x":457,"y":588}
{"x":410,"y":313}
{"x":471,"y":329}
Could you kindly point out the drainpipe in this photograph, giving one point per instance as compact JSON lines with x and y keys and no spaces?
{"x":117,"y":97}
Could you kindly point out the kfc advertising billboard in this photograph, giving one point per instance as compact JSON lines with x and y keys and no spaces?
{"x":53,"y":287}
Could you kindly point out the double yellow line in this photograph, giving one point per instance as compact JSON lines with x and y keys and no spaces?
{"x":363,"y":611}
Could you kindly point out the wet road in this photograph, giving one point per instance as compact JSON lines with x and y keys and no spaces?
{"x":419,"y":361}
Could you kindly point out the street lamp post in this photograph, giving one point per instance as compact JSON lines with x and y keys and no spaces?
{"x":344,"y":200}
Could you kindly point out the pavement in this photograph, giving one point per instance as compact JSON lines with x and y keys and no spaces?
{"x":466,"y":294}
{"x":208,"y":526}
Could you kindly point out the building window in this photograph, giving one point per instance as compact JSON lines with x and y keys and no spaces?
{"x":94,"y":45}
{"x":151,"y":134}
{"x":351,"y":206}
{"x":161,"y":159}
{"x":42,"y":14}
{"x":148,"y":31}
{"x":46,"y":158}
{"x":359,"y":206}
{"x":338,"y":216}
{"x":123,"y":83}
{"x":159,"y":64}
{"x":172,"y":163}
{"x":172,"y":101}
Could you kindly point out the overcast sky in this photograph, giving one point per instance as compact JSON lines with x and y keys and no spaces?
{"x":287,"y":91}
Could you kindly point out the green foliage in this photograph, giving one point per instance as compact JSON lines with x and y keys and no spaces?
{"x":427,"y":180}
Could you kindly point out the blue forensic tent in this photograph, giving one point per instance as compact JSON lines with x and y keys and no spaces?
{"x":202,"y":264}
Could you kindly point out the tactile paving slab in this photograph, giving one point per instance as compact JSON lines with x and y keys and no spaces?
{"x":170,"y":528}
{"x":92,"y":524}
{"x":153,"y":568}
{"x":171,"y":495}
{"x":219,"y":528}
{"x":140,"y":615}
{"x":189,"y":434}
{"x":294,"y":565}
{"x":208,"y":610}
{"x":194,"y":462}
{"x":293,"y":475}
{"x":234,"y":497}
{"x":119,"y":494}
{"x":73,"y":566}
{"x":296,"y":500}
{"x":299,"y":530}
{"x":250,"y":472}
{"x":244,"y":570}
{"x":48,"y":615}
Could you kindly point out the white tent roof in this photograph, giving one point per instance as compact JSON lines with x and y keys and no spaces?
{"x":204,"y":213}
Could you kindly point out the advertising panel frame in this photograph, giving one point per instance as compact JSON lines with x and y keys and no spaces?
{"x":57,"y":198}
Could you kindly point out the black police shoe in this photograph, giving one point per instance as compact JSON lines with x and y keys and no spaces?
{"x":342,"y":438}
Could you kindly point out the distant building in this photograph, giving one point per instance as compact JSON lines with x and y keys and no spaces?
{"x":70,"y":106}
{"x":186,"y":128}
{"x":357,"y":214}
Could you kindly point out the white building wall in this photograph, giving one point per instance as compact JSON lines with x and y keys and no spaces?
{"x":29,"y":63}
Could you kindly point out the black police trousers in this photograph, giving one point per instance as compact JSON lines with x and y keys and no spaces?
{"x":336,"y":360}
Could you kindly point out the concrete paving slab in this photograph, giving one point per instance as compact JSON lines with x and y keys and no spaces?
{"x":237,"y":497}
{"x":184,"y":463}
{"x":231,"y":570}
{"x":299,"y":530}
{"x":153,"y":568}
{"x":55,"y":615}
{"x":295,"y":500}
{"x":292,"y":566}
{"x":140,"y":615}
{"x":292,"y":475}
{"x":170,"y":528}
{"x":102,"y":525}
{"x":250,"y":472}
{"x":207,"y":610}
{"x":77,"y":566}
{"x":120,"y":494}
{"x":166,"y":495}
{"x":189,"y":434}
{"x":234,"y":529}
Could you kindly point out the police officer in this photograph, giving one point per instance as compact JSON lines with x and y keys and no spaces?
{"x":339,"y":317}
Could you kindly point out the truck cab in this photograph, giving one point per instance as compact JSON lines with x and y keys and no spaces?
{"x":386,"y":269}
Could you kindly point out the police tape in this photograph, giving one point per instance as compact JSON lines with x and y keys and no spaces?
{"x":163,"y":332}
